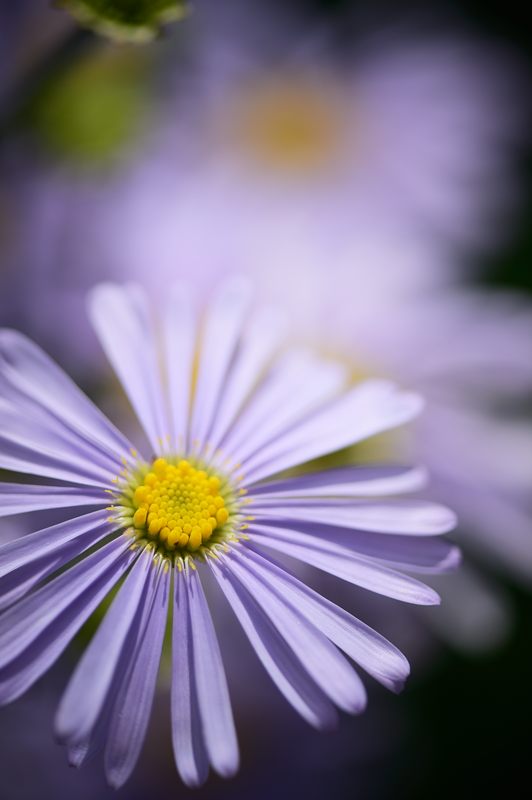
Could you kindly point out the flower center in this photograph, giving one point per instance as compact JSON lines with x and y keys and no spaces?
{"x":179,"y":505}
{"x":290,"y":124}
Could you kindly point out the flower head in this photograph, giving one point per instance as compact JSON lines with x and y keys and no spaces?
{"x":225,"y":418}
{"x":414,"y":122}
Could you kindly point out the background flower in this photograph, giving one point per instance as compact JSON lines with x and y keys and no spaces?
{"x":412,"y":122}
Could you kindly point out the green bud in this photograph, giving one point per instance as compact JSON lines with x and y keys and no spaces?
{"x":125,"y":20}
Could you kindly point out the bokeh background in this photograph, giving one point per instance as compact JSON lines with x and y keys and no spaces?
{"x":106,"y":171}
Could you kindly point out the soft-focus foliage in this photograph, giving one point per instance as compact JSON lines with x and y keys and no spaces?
{"x":95,"y":108}
{"x":126,"y":20}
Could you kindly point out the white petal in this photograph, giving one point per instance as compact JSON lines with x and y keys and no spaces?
{"x":19,"y":498}
{"x":213,"y":696}
{"x":132,"y":709}
{"x":365,"y":646}
{"x":410,"y":553}
{"x":29,"y":444}
{"x":376,"y":481}
{"x":282,"y":665}
{"x":368,"y":409}
{"x":263,"y":336}
{"x":187,"y":736}
{"x":25,"y":366}
{"x":89,"y":527}
{"x":179,"y":341}
{"x":119,"y":317}
{"x":223,"y":327}
{"x":87,"y":689}
{"x":278,"y":403}
{"x":324,"y":663}
{"x":410,"y":517}
{"x":351,"y":567}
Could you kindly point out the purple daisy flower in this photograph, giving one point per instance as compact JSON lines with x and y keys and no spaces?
{"x":415,"y":119}
{"x":227,"y":419}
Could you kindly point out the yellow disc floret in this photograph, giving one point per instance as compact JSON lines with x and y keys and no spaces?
{"x":291,"y":124}
{"x":178,"y":505}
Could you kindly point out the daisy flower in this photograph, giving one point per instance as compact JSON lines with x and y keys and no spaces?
{"x":417,"y":122}
{"x":227,"y":416}
{"x":473,"y":390}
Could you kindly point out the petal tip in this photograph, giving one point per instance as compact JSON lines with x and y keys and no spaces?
{"x":452,"y":561}
{"x":228,"y":767}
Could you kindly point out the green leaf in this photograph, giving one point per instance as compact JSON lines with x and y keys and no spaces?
{"x":95,"y":110}
{"x":125,"y":20}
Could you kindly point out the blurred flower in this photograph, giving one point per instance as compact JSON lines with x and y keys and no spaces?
{"x":467,"y":350}
{"x":277,"y":138}
{"x":125,"y":20}
{"x":419,"y":126}
{"x":186,"y":511}
{"x":87,"y":228}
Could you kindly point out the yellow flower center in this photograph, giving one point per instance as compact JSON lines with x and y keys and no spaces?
{"x":179,"y":505}
{"x":289,"y":124}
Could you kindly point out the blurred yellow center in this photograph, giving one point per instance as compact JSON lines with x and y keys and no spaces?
{"x":290,"y":125}
{"x":179,"y":505}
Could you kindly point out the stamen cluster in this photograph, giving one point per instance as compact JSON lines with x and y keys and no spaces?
{"x":289,"y":125}
{"x":179,"y":505}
